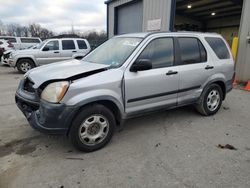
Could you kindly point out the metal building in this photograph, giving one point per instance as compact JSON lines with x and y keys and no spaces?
{"x":230,"y":18}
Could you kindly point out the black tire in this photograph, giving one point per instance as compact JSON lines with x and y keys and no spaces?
{"x":22,"y":63}
{"x":202,"y":106}
{"x":83,"y":115}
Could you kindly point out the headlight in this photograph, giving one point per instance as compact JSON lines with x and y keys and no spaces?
{"x":54,"y":92}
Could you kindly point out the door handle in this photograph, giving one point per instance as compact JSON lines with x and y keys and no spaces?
{"x":209,"y":67}
{"x":74,"y":51}
{"x":56,"y":52}
{"x":171,"y":72}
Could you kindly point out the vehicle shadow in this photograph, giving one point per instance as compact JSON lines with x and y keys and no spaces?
{"x":179,"y":116}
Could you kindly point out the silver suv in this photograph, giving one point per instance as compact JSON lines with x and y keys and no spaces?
{"x":127,"y":76}
{"x":49,"y":51}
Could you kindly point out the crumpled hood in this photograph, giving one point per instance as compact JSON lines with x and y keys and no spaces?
{"x":62,"y":70}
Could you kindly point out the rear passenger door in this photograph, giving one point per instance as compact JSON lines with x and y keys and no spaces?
{"x":68,"y":49}
{"x":195,"y":67}
{"x":82,"y":48}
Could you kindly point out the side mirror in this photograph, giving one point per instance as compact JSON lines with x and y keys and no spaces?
{"x":141,"y":65}
{"x":46,"y":48}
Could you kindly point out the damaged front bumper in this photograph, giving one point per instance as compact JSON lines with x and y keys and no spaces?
{"x":44,"y":116}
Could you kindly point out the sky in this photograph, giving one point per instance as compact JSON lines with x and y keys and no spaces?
{"x":56,"y":15}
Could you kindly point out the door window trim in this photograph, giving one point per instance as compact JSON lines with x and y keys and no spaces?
{"x":148,"y":42}
{"x":178,"y":54}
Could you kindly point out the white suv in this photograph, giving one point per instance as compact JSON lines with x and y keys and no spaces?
{"x":21,"y":43}
{"x":49,"y":51}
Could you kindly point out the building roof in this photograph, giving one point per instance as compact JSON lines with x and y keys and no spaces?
{"x":108,"y":1}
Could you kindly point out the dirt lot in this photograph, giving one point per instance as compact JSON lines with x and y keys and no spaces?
{"x":176,"y":148}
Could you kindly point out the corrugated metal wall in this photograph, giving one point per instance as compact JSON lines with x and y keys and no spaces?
{"x":243,"y":57}
{"x":152,"y":9}
{"x":111,"y":15}
{"x":157,"y":9}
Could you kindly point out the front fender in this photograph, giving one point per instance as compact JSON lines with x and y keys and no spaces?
{"x":95,"y":96}
{"x":18,"y":57}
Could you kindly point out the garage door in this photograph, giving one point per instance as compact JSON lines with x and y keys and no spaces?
{"x":129,"y":18}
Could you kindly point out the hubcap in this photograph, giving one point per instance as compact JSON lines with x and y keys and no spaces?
{"x":213,"y":100}
{"x":94,"y":129}
{"x":25,"y":66}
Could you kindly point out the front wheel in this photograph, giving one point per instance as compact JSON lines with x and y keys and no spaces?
{"x":24,"y":65}
{"x":210,"y":101}
{"x":92,"y":128}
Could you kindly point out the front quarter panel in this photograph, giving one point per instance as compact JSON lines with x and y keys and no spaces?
{"x":106,"y":85}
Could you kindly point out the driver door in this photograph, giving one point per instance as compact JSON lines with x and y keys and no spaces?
{"x":49,"y":53}
{"x":155,"y":88}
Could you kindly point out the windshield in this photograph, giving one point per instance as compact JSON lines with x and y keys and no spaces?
{"x":39,"y":46}
{"x":114,"y":52}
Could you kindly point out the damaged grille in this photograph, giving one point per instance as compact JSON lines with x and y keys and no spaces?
{"x":28,"y":86}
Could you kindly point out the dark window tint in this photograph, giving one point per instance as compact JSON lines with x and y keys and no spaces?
{"x":52,"y":45}
{"x":81,"y":44}
{"x":68,"y":45}
{"x":192,"y":51}
{"x":203,"y":53}
{"x":1,"y":42}
{"x":160,"y":51}
{"x":30,"y":40}
{"x":9,"y":39}
{"x":219,"y":47}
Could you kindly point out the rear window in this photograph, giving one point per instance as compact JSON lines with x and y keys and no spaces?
{"x":29,"y":40}
{"x":10,"y":39}
{"x":191,"y":51}
{"x":219,"y":47}
{"x":81,"y":44}
{"x":68,"y":45}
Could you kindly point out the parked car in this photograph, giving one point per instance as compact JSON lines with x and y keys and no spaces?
{"x":49,"y":51}
{"x":21,"y":43}
{"x":127,"y":76}
{"x":4,"y":46}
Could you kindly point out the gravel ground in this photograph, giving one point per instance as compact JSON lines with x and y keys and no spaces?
{"x":176,"y":148}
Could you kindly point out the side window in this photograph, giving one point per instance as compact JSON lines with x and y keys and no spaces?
{"x":191,"y":51}
{"x":13,"y":40}
{"x":29,"y":40}
{"x":68,"y":45}
{"x":203,"y":52}
{"x":81,"y":44}
{"x":52,"y":45}
{"x":160,"y":51}
{"x":219,"y":47}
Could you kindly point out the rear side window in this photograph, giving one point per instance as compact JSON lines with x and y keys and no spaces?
{"x":219,"y":47}
{"x":81,"y":44}
{"x":13,"y":40}
{"x":191,"y":51}
{"x":160,"y":52}
{"x":29,"y":40}
{"x":68,"y":45}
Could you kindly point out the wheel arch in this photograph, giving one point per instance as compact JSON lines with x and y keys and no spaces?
{"x":108,"y":103}
{"x":30,"y":58}
{"x":219,"y":82}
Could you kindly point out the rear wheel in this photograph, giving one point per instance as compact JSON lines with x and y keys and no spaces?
{"x":24,"y":65}
{"x":211,"y":100}
{"x":93,"y":128}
